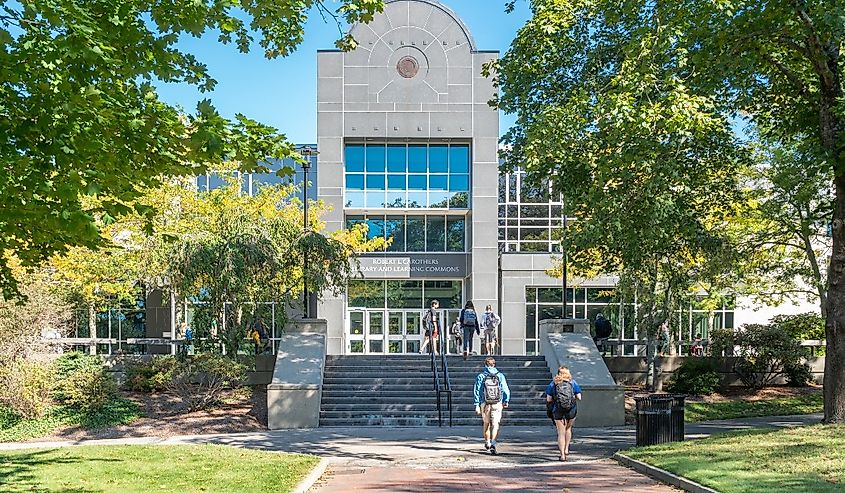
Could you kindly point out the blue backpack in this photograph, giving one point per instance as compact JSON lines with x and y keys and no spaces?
{"x":470,"y":318}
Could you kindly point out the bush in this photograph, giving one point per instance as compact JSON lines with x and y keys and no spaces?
{"x":25,"y":388}
{"x":152,"y":375}
{"x":764,"y":352}
{"x":696,"y":376}
{"x":200,"y":381}
{"x":798,"y":375}
{"x":81,"y":381}
{"x":802,"y":327}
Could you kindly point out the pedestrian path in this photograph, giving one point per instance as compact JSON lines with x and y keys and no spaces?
{"x":579,"y":477}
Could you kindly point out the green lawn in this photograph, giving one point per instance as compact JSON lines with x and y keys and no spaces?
{"x":808,"y":459}
{"x":782,"y":406}
{"x":117,"y":412}
{"x":142,"y":469}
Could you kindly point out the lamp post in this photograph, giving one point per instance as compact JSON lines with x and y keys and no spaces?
{"x":305,"y":152}
{"x":563,"y":254}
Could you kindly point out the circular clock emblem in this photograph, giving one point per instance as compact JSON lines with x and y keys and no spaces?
{"x":408,"y":66}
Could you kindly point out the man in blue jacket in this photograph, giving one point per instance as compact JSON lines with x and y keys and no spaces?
{"x":491,"y":396}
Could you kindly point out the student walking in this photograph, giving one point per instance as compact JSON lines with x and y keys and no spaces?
{"x":469,"y":323}
{"x":491,"y":396}
{"x":563,"y":394}
{"x":431,"y":323}
{"x":490,"y":321}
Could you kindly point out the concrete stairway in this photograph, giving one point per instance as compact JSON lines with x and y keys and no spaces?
{"x":387,"y":390}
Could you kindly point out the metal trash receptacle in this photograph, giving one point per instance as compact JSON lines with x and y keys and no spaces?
{"x":660,"y":418}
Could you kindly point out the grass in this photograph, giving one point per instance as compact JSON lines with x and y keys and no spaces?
{"x":781,"y":406}
{"x":809,"y":459}
{"x":15,"y":429}
{"x":141,"y":469}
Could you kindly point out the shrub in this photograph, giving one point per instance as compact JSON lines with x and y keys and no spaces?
{"x":802,"y":327}
{"x":764,"y":352}
{"x":152,"y":375}
{"x":81,"y":381}
{"x":25,"y":388}
{"x":696,"y":376}
{"x":798,"y":375}
{"x":200,"y":381}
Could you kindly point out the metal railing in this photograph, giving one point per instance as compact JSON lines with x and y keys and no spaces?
{"x":446,"y":388}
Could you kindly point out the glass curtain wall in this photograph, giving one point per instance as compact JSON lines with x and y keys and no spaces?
{"x":530,"y":216}
{"x":406,"y":176}
{"x":694,"y":320}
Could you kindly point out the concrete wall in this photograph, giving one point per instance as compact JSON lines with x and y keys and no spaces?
{"x":521,"y":270}
{"x":603,"y":402}
{"x":628,"y":370}
{"x":293,"y":396}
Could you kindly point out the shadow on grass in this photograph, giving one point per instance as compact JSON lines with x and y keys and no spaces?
{"x":803,"y":460}
{"x":19,"y":470}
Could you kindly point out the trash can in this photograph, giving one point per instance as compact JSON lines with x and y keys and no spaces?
{"x":660,"y":418}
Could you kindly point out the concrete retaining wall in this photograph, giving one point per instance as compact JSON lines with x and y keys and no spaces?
{"x":566,"y":343}
{"x":629,"y":370}
{"x":293,"y":395}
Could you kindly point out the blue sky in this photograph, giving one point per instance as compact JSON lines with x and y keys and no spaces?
{"x":283,"y":92}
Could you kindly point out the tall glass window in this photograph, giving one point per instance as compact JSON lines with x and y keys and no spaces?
{"x":431,"y":176}
{"x":432,"y":233}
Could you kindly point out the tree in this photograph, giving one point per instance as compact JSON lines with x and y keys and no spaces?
{"x":792,"y":204}
{"x":646,"y":166}
{"x":777,"y":64}
{"x":80,"y":117}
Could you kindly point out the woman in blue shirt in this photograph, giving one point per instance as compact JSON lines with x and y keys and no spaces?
{"x":562,"y":389}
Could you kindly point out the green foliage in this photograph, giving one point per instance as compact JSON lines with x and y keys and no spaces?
{"x":152,"y":375}
{"x":82,"y":382}
{"x":696,"y":376}
{"x":802,"y":326}
{"x":25,"y":387}
{"x":145,"y":468}
{"x":236,"y":251}
{"x":82,"y":119}
{"x":116,"y":412}
{"x":764,"y":352}
{"x":200,"y":381}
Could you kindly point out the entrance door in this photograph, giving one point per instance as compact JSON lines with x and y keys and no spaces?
{"x":374,"y":334}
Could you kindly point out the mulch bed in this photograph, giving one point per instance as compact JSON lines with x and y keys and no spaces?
{"x":165,"y":416}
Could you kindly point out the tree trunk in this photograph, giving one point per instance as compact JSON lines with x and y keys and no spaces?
{"x":831,"y":127}
{"x":834,"y":369}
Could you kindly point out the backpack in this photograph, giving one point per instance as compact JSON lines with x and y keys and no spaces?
{"x":470,"y":318}
{"x":564,"y":396}
{"x":492,"y":389}
{"x":603,"y":328}
{"x":491,"y":321}
{"x":455,"y":330}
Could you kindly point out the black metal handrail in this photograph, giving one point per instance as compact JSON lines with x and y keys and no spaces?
{"x":447,"y":382}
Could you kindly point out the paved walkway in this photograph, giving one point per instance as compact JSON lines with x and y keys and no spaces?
{"x":453,"y":459}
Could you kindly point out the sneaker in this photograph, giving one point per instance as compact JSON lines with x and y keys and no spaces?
{"x":493,"y":449}
{"x":486,"y":445}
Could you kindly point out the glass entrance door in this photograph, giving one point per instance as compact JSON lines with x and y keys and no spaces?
{"x":384,"y":331}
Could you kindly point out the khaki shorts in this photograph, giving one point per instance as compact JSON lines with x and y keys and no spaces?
{"x":491,"y":413}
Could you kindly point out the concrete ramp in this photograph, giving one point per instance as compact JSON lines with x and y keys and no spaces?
{"x":568,"y":343}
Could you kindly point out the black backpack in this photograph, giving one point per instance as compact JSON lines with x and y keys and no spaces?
{"x":603,"y":328}
{"x":564,"y":396}
{"x":492,"y":389}
{"x":470,"y":318}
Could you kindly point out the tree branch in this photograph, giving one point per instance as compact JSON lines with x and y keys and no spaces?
{"x":815,"y":48}
{"x":796,"y":81}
